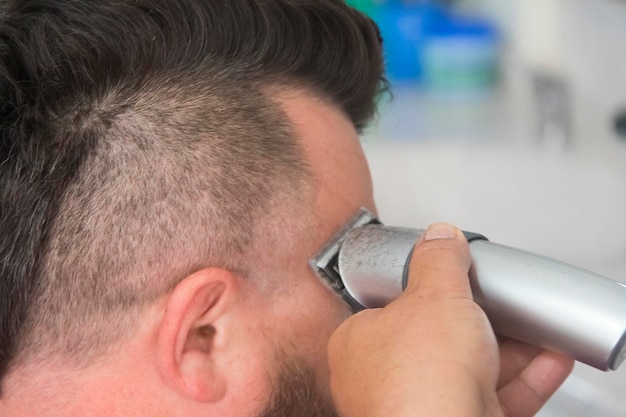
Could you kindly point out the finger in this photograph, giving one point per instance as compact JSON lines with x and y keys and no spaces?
{"x":514,"y":358}
{"x":440,"y":263}
{"x":525,"y":394}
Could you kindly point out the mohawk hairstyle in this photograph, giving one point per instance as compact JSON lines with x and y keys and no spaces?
{"x":138,"y":141}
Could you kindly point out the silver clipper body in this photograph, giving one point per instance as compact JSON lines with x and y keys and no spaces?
{"x":527,"y":297}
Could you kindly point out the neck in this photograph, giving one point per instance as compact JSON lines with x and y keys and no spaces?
{"x":45,"y":382}
{"x":46,"y":389}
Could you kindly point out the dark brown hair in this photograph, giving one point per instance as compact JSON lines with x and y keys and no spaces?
{"x":138,"y":142}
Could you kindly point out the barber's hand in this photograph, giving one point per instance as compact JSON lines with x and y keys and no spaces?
{"x":432,"y":351}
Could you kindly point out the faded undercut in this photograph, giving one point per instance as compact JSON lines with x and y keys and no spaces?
{"x":138,"y":143}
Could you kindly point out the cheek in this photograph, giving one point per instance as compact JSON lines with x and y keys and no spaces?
{"x":310,"y":317}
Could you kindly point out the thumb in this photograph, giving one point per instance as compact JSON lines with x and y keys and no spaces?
{"x":440,"y":263}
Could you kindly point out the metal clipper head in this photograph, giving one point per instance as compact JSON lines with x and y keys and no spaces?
{"x":325,"y":261}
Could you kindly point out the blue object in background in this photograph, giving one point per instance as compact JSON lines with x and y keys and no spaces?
{"x":460,"y":57}
{"x":426,"y":44}
{"x":404,"y":28}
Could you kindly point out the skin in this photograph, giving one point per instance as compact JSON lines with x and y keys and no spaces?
{"x":210,"y":347}
{"x":448,"y":362}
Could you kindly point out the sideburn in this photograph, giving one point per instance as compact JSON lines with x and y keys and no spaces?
{"x":296,"y":392}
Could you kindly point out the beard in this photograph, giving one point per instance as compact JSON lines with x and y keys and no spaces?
{"x":296,"y":392}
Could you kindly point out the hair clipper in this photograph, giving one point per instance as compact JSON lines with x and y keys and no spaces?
{"x":528,"y":297}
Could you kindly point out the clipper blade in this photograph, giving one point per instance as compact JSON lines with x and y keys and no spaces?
{"x":325,"y":261}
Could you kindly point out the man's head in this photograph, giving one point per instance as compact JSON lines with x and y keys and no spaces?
{"x":166,"y":170}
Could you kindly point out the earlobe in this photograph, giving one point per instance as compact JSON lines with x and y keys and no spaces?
{"x":188,"y":335}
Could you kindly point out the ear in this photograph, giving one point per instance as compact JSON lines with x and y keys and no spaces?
{"x":190,"y":332}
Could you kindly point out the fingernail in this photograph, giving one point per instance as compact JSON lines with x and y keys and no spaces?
{"x":440,"y":231}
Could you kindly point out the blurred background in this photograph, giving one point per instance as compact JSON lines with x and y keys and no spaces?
{"x":508,"y":118}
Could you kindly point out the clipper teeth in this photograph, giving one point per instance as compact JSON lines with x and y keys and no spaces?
{"x":324,"y":263}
